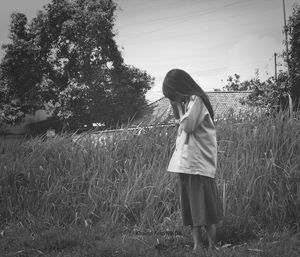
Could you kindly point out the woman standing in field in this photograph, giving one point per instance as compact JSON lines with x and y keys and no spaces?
{"x":195,"y":156}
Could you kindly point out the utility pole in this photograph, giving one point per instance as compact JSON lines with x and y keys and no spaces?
{"x":286,"y":40}
{"x":275,"y":60}
{"x":287,"y":59}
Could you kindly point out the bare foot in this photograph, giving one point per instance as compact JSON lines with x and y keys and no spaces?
{"x":198,"y":248}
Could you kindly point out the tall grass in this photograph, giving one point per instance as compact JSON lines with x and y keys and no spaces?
{"x":259,"y":159}
{"x":122,"y":179}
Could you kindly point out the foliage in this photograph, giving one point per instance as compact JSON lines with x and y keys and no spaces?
{"x":20,"y":72}
{"x":269,"y":94}
{"x":234,"y":84}
{"x":67,"y":61}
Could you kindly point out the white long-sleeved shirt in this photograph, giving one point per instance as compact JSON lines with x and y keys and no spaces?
{"x":196,"y":143}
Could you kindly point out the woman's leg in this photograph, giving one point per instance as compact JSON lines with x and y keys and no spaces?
{"x":212,"y":235}
{"x":197,"y":238}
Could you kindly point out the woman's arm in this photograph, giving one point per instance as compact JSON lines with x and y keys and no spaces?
{"x":193,"y":117}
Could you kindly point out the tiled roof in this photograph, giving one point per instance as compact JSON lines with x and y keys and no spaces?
{"x":156,"y":113}
{"x":224,"y":102}
{"x":160,"y":112}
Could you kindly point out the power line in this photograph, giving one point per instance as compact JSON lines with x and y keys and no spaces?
{"x":189,"y":14}
{"x":175,"y":20}
{"x":195,"y":13}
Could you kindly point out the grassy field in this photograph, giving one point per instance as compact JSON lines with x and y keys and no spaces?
{"x":101,"y":241}
{"x":113,"y":197}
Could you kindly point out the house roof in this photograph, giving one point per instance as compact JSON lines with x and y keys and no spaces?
{"x":160,"y":112}
{"x":224,"y":102}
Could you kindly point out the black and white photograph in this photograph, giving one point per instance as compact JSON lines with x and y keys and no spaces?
{"x":150,"y":128}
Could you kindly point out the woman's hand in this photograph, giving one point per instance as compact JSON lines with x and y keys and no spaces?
{"x":178,"y":109}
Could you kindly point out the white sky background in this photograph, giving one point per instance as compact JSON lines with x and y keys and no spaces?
{"x":210,"y":39}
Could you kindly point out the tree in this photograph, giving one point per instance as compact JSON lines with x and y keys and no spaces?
{"x":270,"y":94}
{"x":19,"y":73}
{"x":73,"y":66}
{"x":234,"y":84}
{"x":294,"y":55}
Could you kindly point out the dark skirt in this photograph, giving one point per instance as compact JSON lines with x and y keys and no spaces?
{"x":199,"y":199}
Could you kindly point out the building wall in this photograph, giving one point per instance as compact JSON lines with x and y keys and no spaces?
{"x":21,"y":128}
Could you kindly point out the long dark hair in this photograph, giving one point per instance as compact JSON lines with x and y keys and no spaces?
{"x":179,"y":81}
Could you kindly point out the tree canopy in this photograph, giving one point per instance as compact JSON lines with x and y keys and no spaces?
{"x":234,"y":84}
{"x":66,"y":60}
{"x":270,"y":93}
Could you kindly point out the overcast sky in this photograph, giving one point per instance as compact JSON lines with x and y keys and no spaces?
{"x":210,"y":39}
